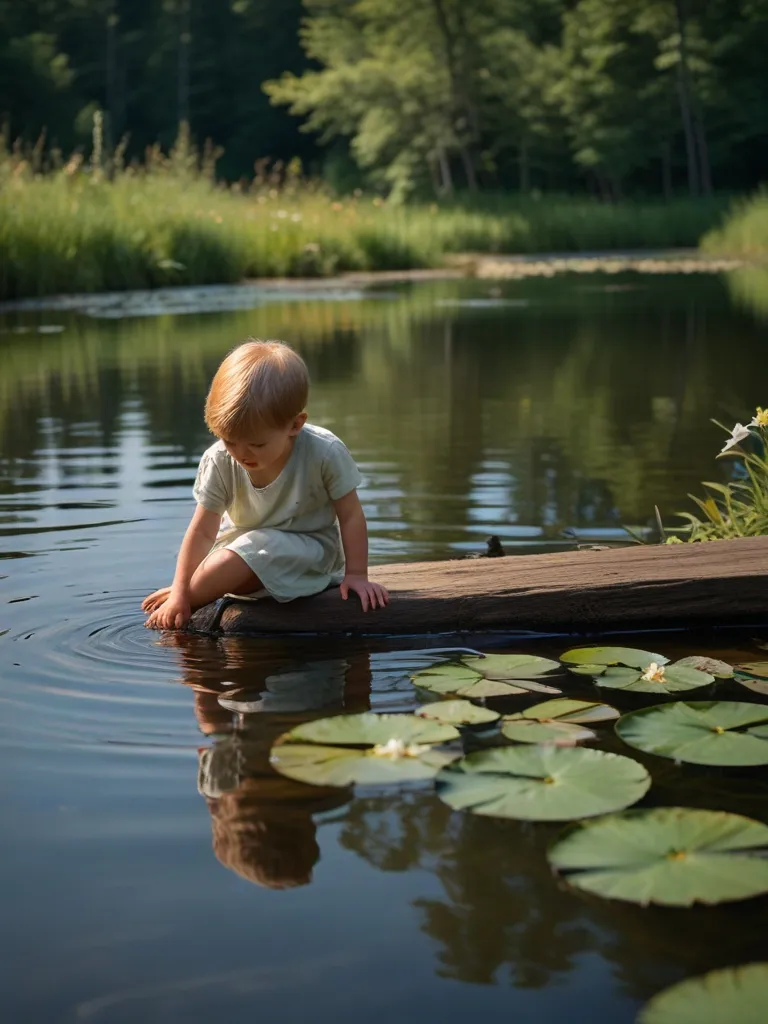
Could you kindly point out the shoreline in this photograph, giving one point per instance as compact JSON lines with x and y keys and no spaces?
{"x":356,"y":285}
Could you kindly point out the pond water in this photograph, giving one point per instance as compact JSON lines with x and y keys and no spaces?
{"x":131,"y":894}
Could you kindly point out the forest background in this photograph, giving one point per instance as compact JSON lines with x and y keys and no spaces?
{"x":613,"y":97}
{"x":152,"y":142}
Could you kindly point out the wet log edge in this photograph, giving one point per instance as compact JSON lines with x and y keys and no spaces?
{"x":638,"y":587}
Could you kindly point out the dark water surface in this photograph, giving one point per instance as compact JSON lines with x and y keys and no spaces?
{"x":128,"y":894}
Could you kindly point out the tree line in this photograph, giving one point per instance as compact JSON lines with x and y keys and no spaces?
{"x":617,"y":97}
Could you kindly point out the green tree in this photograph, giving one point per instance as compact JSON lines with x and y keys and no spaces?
{"x":432,"y":91}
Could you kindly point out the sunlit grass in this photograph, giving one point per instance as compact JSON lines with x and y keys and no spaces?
{"x":745,"y":231}
{"x":73,"y":229}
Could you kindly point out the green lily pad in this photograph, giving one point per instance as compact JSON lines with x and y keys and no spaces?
{"x":465,"y":683}
{"x":395,"y":748}
{"x":670,"y":855}
{"x":560,"y":722}
{"x":559,"y":734}
{"x":701,"y":732}
{"x":445,"y":678}
{"x":628,"y":656}
{"x":587,"y":670}
{"x":566,"y":710}
{"x":735,"y":995}
{"x":369,"y":729}
{"x":753,"y":675}
{"x":458,"y":712}
{"x":538,"y":783}
{"x":669,"y":679}
{"x":755,"y":668}
{"x":511,"y":666}
{"x":751,"y":682}
{"x":499,"y":688}
{"x":321,"y":765}
{"x":715,"y":667}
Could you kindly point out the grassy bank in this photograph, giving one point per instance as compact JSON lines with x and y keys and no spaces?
{"x":73,"y":230}
{"x":745,"y":231}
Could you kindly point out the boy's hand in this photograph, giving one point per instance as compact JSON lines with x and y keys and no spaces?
{"x":174,"y":613}
{"x":372,"y":595}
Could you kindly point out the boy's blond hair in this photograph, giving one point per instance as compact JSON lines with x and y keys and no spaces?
{"x":260,"y":384}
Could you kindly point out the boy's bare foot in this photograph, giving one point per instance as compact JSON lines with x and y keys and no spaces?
{"x":153,"y":601}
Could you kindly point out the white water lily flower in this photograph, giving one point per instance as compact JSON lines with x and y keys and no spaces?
{"x":396,"y":749}
{"x":654,"y":673}
{"x":738,"y":433}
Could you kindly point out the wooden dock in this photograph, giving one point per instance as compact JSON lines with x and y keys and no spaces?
{"x":638,"y":587}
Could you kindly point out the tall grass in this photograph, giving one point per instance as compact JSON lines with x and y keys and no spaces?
{"x":738,"y":508}
{"x":83,"y":228}
{"x":745,"y":231}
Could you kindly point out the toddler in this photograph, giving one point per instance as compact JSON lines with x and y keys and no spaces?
{"x":277,"y":507}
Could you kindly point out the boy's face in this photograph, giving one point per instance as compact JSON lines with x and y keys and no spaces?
{"x":266,"y":447}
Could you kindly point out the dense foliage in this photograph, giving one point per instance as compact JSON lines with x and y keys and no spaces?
{"x":91,"y":226}
{"x":611,"y":95}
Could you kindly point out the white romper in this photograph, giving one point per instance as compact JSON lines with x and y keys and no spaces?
{"x":287,"y":532}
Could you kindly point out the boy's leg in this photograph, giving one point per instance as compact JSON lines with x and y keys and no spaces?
{"x":222,"y":572}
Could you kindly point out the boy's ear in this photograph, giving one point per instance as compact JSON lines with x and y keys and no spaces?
{"x":298,"y":423}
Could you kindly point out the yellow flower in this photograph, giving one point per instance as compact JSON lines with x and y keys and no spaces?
{"x":654,"y":673}
{"x":760,"y":419}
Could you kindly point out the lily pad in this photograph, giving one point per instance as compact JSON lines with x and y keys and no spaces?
{"x":735,"y":995}
{"x":462,"y":681}
{"x":369,"y":729}
{"x":587,"y":670}
{"x":627,"y":656}
{"x":655,"y":679}
{"x":511,"y":666}
{"x":458,"y":712}
{"x":670,"y":855}
{"x":755,"y":668}
{"x":499,"y":688}
{"x":445,"y":678}
{"x":753,"y":675}
{"x":366,"y":748}
{"x":322,"y":765}
{"x":715,"y":667}
{"x":558,"y":734}
{"x":560,"y":722}
{"x":701,"y":732}
{"x":539,"y":783}
{"x":756,"y":685}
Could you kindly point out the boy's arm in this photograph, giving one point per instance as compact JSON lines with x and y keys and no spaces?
{"x":354,"y":538}
{"x":198,"y":541}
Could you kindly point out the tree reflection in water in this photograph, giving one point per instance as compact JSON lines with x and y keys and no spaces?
{"x":503,"y":916}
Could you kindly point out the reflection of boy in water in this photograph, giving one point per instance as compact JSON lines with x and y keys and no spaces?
{"x":262,"y":822}
{"x":273,"y":847}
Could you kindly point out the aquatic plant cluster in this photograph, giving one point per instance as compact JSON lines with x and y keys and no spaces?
{"x":94,"y":225}
{"x":738,"y":508}
{"x":530,"y":766}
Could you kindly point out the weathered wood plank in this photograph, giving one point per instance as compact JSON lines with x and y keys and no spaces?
{"x":626,"y":588}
